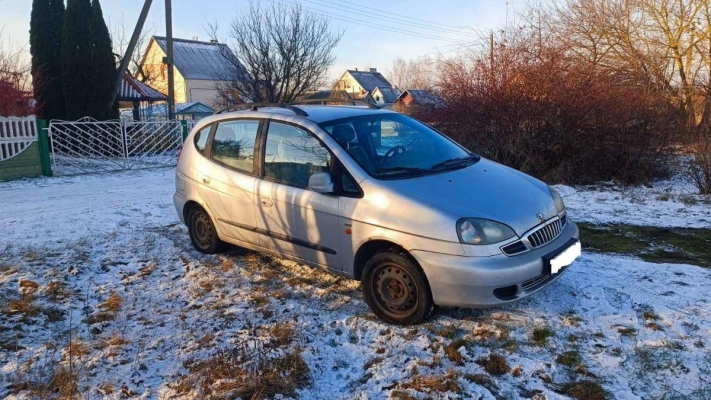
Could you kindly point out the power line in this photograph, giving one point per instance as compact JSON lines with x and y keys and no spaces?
{"x":370,"y":9}
{"x":381,"y":17}
{"x":368,"y":24}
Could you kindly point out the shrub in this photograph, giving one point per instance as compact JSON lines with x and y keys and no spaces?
{"x":551,"y":115}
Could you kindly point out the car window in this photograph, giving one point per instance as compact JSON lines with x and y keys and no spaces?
{"x":233,"y":144}
{"x":391,"y":146}
{"x":201,"y":138}
{"x":292,"y":155}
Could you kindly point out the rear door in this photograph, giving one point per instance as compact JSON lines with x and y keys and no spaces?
{"x":228,"y":180}
{"x":293,"y":219}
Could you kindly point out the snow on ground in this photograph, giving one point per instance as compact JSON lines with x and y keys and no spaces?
{"x":104,"y":261}
{"x":669,"y":203}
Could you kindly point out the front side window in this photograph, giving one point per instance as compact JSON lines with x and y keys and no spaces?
{"x":233,"y":144}
{"x":292,"y":155}
{"x":389,"y":146}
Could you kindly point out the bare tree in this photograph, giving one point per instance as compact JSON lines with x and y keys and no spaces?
{"x":413,"y":74}
{"x":121,"y":36}
{"x":281,"y":51}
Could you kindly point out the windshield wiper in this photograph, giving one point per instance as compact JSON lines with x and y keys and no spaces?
{"x":455,"y":162}
{"x":398,"y":169}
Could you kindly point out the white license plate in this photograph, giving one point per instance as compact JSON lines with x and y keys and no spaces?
{"x":565,"y":258}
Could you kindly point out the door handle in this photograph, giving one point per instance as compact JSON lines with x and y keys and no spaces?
{"x":206,"y":180}
{"x":265,"y":202}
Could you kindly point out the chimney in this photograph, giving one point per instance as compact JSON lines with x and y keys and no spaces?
{"x":213,"y":41}
{"x":356,"y":68}
{"x":373,"y":70}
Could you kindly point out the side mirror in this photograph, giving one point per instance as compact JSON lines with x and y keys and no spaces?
{"x":321,"y":182}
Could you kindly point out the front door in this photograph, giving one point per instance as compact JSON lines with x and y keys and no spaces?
{"x":291,"y":218}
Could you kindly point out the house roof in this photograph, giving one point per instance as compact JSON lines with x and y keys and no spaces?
{"x":202,"y":60}
{"x":422,"y":97}
{"x":369,"y":80}
{"x":389,"y":94}
{"x":180,"y":109}
{"x":134,"y":90}
{"x":327,"y":94}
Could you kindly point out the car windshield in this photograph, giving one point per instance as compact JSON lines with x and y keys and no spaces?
{"x":392,"y":146}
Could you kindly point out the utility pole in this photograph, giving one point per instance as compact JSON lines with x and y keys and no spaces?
{"x":131,"y":47}
{"x":169,"y":59}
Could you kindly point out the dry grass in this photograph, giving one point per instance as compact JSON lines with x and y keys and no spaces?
{"x":434,"y":383}
{"x":27,"y":286}
{"x":57,"y":290}
{"x":283,"y":333}
{"x":494,"y":364}
{"x":228,"y":376}
{"x":372,"y":362}
{"x":112,"y":304}
{"x":452,"y":351}
{"x":584,"y":390}
{"x":25,"y":305}
{"x":569,"y":358}
{"x":540,"y":336}
{"x":627,"y":331}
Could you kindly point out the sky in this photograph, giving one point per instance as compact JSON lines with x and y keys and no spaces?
{"x":376,"y":32}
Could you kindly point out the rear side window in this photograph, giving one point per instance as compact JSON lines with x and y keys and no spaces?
{"x":292,"y":155}
{"x":233,"y":144}
{"x":201,"y":138}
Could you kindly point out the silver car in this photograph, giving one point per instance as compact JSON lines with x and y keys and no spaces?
{"x":376,"y":196}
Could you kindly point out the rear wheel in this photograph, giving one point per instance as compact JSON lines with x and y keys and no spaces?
{"x":396,"y":289}
{"x":202,"y":231}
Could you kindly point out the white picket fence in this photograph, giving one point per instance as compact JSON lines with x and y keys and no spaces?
{"x":88,"y":146}
{"x":16,"y":135}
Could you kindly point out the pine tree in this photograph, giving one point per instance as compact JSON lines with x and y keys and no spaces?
{"x":103,"y":64}
{"x":46,"y":26}
{"x":77,"y":72}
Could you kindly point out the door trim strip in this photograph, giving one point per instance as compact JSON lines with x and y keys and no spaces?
{"x":279,"y":236}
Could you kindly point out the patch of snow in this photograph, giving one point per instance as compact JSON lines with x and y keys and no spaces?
{"x":643,"y":330}
{"x":670,"y":203}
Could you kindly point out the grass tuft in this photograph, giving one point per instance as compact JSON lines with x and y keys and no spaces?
{"x":584,"y":390}
{"x":452,"y":351}
{"x":434,"y":383}
{"x":540,"y":336}
{"x":494,"y":364}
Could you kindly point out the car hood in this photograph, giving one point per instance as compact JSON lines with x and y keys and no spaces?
{"x":485,"y":190}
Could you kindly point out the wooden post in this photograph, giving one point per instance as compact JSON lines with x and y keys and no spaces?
{"x":169,"y":58}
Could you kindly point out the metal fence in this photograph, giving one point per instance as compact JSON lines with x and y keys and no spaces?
{"x":16,"y":134}
{"x":88,"y":146}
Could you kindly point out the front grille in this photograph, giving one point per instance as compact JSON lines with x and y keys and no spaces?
{"x":534,"y":282}
{"x":545,"y":234}
{"x":514,"y":248}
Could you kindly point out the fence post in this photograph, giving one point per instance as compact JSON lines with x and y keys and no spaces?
{"x":43,"y":142}
{"x":184,"y":123}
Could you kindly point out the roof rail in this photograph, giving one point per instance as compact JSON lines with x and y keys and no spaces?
{"x":257,"y":106}
{"x":325,"y":101}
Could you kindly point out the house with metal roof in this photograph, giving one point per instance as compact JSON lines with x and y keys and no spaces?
{"x":418,"y":98}
{"x":368,"y":86}
{"x":202,"y":70}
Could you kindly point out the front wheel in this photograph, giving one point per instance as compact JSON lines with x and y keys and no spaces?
{"x":395,"y":289}
{"x":202,"y":231}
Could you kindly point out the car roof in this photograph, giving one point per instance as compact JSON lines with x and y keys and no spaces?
{"x":316,"y":113}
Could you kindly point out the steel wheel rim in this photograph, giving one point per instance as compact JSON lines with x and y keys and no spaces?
{"x":395,"y":291}
{"x":202,"y":230}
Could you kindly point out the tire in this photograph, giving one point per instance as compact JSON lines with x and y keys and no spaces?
{"x":396,"y":289}
{"x":203,"y":234}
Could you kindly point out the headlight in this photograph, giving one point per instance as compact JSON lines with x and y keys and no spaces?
{"x":482,"y":231}
{"x":559,"y":206}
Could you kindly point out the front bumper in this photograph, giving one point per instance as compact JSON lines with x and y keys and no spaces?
{"x":479,"y":282}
